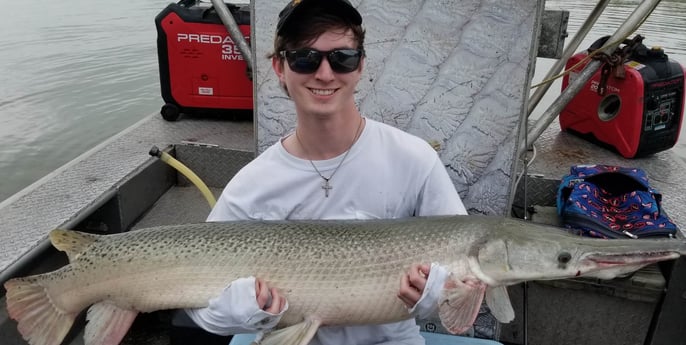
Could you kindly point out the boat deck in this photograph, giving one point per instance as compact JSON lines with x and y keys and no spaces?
{"x":107,"y":189}
{"x":118,"y":186}
{"x":556,"y":152}
{"x":67,"y":196}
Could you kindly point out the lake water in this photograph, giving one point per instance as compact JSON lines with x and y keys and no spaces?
{"x":73,"y":74}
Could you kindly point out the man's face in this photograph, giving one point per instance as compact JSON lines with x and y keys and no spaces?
{"x":323,"y":92}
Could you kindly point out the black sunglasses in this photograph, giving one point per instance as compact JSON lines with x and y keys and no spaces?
{"x":307,"y":61}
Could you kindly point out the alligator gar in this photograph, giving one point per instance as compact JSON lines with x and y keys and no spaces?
{"x":331,"y":272}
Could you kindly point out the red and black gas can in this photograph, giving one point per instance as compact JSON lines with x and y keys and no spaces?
{"x":201,"y":68}
{"x":637,"y":115}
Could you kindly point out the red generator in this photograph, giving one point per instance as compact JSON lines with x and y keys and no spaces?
{"x":636,"y":116}
{"x":201,"y":68}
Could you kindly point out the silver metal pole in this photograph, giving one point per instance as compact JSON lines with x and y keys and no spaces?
{"x":640,"y":13}
{"x":235,"y":33}
{"x":569,"y":50}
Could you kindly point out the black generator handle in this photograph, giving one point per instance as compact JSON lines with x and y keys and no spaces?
{"x":186,"y":3}
{"x":189,"y":3}
{"x":210,"y":10}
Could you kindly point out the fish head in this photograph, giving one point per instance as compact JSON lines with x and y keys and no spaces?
{"x":526,"y":251}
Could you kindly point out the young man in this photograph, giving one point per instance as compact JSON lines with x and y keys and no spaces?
{"x":335,"y":165}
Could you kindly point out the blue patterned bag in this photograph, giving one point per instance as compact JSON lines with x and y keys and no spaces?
{"x":612,"y":202}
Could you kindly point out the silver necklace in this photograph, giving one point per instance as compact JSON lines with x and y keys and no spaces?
{"x":326,"y":186}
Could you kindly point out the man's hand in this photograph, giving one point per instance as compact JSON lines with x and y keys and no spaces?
{"x":246,"y":305}
{"x":268,"y":299}
{"x":413,"y":283}
{"x":421,"y":291}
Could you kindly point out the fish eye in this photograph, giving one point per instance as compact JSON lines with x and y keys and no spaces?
{"x":564,"y":257}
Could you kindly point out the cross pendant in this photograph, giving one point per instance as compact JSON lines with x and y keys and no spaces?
{"x":326,"y":187}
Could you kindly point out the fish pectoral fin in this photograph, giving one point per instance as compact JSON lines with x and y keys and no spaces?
{"x":498,"y":300}
{"x":71,"y":242}
{"x":107,"y":324}
{"x":459,"y":305}
{"x":298,"y":334}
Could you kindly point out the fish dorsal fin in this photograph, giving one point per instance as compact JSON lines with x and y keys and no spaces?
{"x":460,"y":303}
{"x":498,"y":300}
{"x":71,"y":242}
{"x":298,"y":334}
{"x":107,"y":324}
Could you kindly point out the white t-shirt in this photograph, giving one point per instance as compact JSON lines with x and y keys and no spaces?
{"x":387,"y":174}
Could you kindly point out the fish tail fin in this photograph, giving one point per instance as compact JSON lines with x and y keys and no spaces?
{"x":40,"y":322}
{"x":71,"y":242}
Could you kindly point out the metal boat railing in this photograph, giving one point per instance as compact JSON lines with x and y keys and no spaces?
{"x":568,"y":52}
{"x":235,"y":33}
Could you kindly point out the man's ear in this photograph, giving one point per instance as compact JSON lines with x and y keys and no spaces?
{"x":361,"y":67}
{"x":278,"y":66}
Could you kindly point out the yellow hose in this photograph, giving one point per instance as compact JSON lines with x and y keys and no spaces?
{"x":185,"y":171}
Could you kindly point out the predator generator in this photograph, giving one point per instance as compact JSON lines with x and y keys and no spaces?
{"x":201,"y":69}
{"x":636,"y":112}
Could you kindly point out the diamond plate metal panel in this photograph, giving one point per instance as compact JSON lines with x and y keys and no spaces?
{"x":539,"y":191}
{"x":214,"y":165}
{"x":29,"y":215}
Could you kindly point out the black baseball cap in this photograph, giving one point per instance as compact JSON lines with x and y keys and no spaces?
{"x":342,"y":8}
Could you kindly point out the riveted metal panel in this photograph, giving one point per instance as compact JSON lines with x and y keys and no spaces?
{"x":553,"y":33}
